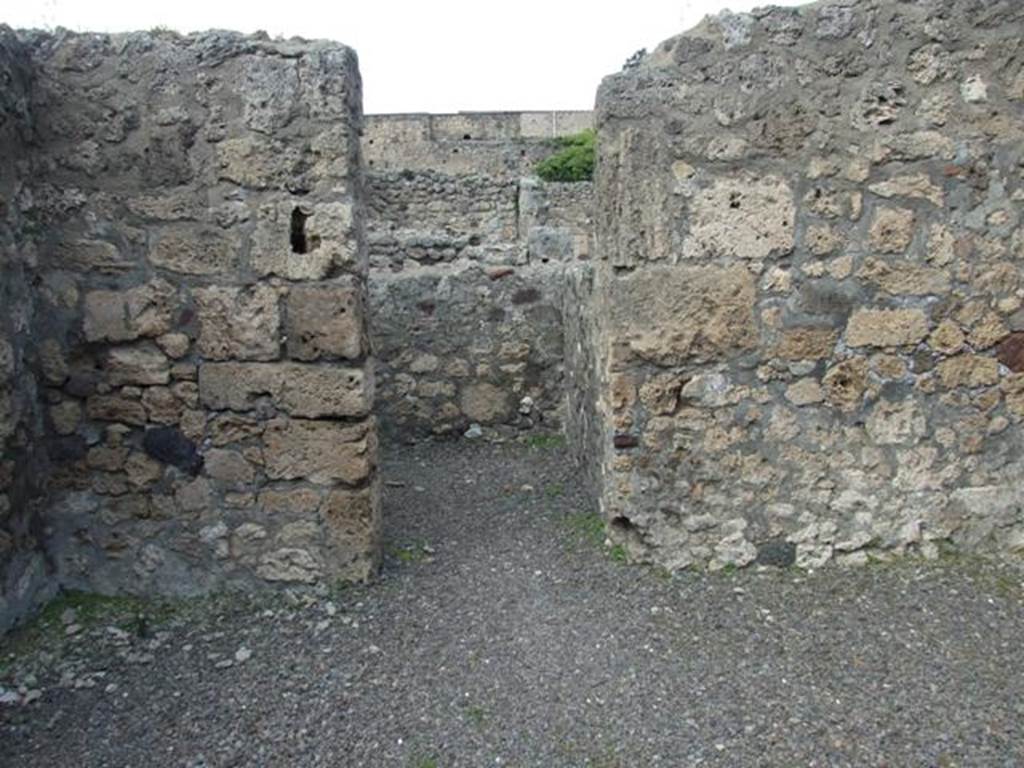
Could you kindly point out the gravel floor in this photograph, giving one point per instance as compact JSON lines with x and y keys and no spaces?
{"x":501,"y":634}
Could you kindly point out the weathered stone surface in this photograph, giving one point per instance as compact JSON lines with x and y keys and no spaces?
{"x":746,"y":217}
{"x":670,"y":315}
{"x":805,"y":392}
{"x":309,"y":391}
{"x":325,"y":321}
{"x":806,"y":343}
{"x":115,"y":407}
{"x":886,"y":327}
{"x":352,"y":527}
{"x":290,"y":502}
{"x":327,"y":241}
{"x":892,"y":230}
{"x":257,"y":162}
{"x":147,"y":310}
{"x":845,"y":383}
{"x":893,"y":423}
{"x":190,"y":252}
{"x":239,"y":323}
{"x":947,"y":338}
{"x":912,"y":186}
{"x":228,"y":467}
{"x":289,"y":564}
{"x":968,"y":371}
{"x":322,"y":451}
{"x":900,"y":278}
{"x":137,"y":365}
{"x":485,"y":403}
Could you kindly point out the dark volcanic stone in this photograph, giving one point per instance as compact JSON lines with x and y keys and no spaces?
{"x":168,"y":445}
{"x":63,"y":450}
{"x":1011,"y":352}
{"x":625,"y":441}
{"x":777,"y":552}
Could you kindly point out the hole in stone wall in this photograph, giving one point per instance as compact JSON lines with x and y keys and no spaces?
{"x":622,"y":525}
{"x":302,"y":242}
{"x":299,"y":241}
{"x":466,"y":137}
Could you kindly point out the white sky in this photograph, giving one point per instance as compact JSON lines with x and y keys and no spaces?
{"x":428,"y":56}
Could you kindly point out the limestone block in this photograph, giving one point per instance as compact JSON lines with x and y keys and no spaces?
{"x":290,"y":502}
{"x":258,"y":162}
{"x":228,"y":467}
{"x":892,"y":423}
{"x":308,"y":391}
{"x":846,"y":382}
{"x":670,"y":315}
{"x":968,"y":371}
{"x":115,"y":407}
{"x":892,"y":230}
{"x":352,"y":522}
{"x":886,"y":327}
{"x":270,"y":95}
{"x":745,"y":217}
{"x":174,"y":345}
{"x":805,"y":392}
{"x":947,"y":338}
{"x":239,"y":323}
{"x":806,"y":343}
{"x":193,"y":251}
{"x":917,"y":186}
{"x":323,"y":452}
{"x":289,"y":564}
{"x":143,"y":311}
{"x":300,"y":241}
{"x":92,"y":256}
{"x":484,"y":402}
{"x":325,"y":321}
{"x":902,"y":278}
{"x":227,"y":428}
{"x":137,"y":365}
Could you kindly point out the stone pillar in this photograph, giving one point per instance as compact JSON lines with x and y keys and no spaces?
{"x":25,"y":577}
{"x":198,"y":203}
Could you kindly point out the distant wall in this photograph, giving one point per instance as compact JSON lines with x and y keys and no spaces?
{"x":468,"y":253}
{"x":809,"y":295}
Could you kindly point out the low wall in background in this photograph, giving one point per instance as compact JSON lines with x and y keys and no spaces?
{"x":468,"y":258}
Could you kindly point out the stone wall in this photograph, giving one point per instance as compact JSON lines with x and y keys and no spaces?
{"x":468,"y":255}
{"x":196,"y":206}
{"x":809,"y":297}
{"x":25,"y":574}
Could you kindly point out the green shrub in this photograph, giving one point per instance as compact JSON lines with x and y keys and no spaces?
{"x":573,"y":162}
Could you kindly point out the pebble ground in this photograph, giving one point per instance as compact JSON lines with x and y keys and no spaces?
{"x":503,"y":634}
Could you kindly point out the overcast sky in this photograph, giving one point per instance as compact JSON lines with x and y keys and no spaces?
{"x":432,"y":55}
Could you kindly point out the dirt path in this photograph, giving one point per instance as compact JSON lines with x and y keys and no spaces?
{"x":501,"y":634}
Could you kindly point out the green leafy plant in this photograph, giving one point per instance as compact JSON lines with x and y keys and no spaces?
{"x":574,"y":161}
